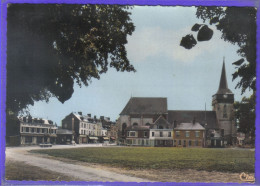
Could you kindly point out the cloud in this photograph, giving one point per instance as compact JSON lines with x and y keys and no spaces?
{"x":149,"y":42}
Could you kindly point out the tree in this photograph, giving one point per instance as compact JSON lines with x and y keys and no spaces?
{"x":245,"y":116}
{"x":238,"y":26}
{"x":51,"y":46}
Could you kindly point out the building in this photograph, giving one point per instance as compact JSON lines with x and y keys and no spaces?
{"x":35,"y":131}
{"x":216,"y":128}
{"x":223,"y":105}
{"x":112,"y":133}
{"x":87,"y":129}
{"x":189,"y":135}
{"x":64,"y":136}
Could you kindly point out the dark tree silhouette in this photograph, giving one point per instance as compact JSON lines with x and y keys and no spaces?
{"x":245,"y":116}
{"x":51,"y":46}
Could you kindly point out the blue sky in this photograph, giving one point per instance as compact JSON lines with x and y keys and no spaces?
{"x":188,"y":78}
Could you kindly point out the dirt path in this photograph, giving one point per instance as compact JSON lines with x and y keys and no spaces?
{"x":80,"y":172}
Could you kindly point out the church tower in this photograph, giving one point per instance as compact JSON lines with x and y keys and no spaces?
{"x":223,"y":104}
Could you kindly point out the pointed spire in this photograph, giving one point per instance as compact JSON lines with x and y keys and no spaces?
{"x":223,"y":85}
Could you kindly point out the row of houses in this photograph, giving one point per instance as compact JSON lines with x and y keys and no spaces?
{"x":161,"y":133}
{"x":75,"y":128}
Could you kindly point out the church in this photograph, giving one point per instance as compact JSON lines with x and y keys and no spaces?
{"x":146,"y":121}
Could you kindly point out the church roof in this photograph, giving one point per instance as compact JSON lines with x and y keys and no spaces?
{"x":187,"y":116}
{"x":223,"y":85}
{"x":145,"y":105}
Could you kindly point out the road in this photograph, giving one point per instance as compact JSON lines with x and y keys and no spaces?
{"x":78,"y":171}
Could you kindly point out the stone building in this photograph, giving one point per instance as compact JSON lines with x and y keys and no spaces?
{"x":35,"y":131}
{"x":217,"y":125}
{"x":223,"y":105}
{"x":85,"y":129}
{"x":189,"y":135}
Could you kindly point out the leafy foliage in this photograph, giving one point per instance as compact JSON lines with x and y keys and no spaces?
{"x":188,"y":41}
{"x":205,"y":33}
{"x":245,"y":116}
{"x":51,"y":46}
{"x":238,"y":26}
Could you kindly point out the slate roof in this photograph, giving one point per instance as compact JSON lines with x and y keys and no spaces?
{"x":189,"y":126}
{"x":85,"y":118}
{"x":138,"y":128}
{"x":145,"y":105}
{"x":187,"y":116}
{"x":223,"y":85}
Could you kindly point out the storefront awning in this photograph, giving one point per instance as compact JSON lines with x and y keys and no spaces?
{"x":93,"y":138}
{"x":105,"y":138}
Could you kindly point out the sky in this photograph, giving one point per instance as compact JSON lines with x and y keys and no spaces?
{"x":188,"y":78}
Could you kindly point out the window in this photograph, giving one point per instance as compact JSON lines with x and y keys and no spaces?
{"x":38,"y":130}
{"x":127,"y":133}
{"x":187,"y":134}
{"x":225,"y":111}
{"x":84,"y":132}
{"x":132,"y":134}
{"x":39,"y":139}
{"x":84,"y":125}
{"x":189,"y":142}
{"x":26,"y":129}
{"x":184,"y":143}
{"x":152,"y":133}
{"x":197,"y":134}
{"x":145,"y":134}
{"x":159,"y":126}
{"x":161,"y":134}
{"x":135,"y":124}
{"x":177,"y":133}
{"x":179,"y":142}
{"x":28,"y":139}
{"x":147,"y":124}
{"x":196,"y":143}
{"x":169,"y":134}
{"x":81,"y":131}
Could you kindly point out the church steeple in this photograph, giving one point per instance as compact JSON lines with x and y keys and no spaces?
{"x":223,"y":85}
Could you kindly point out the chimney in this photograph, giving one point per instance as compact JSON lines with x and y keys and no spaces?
{"x":194,"y":120}
{"x":95,"y":117}
{"x":80,"y":113}
{"x":89,"y":115}
{"x":102,"y":117}
{"x":174,"y":124}
{"x":108,"y":118}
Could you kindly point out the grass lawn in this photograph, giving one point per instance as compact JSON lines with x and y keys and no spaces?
{"x":161,"y":158}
